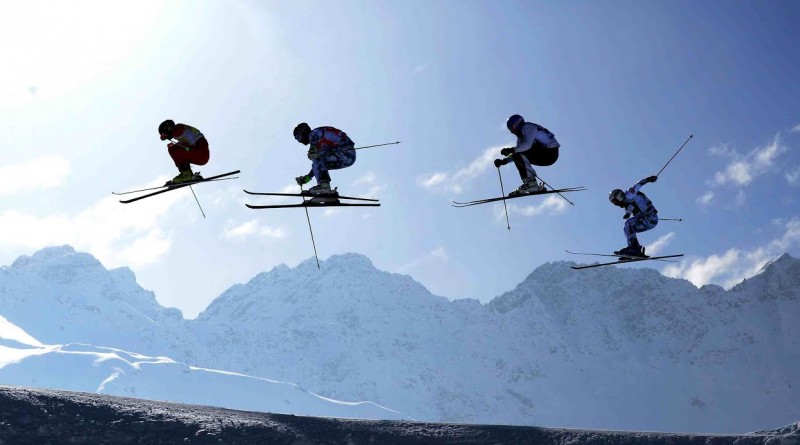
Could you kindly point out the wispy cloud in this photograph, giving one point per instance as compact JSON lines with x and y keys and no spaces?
{"x":455,"y":181}
{"x":740,"y":199}
{"x":370,"y":185}
{"x":252,"y":228}
{"x":117,"y":234}
{"x":40,"y":173}
{"x":705,"y":199}
{"x":420,"y":68}
{"x":734,"y":265}
{"x":793,"y":177}
{"x":437,"y":254}
{"x":662,"y":242}
{"x":743,"y":169}
{"x":551,"y":205}
{"x":796,"y":129}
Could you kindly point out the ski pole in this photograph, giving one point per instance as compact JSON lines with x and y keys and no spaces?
{"x":554,"y":189}
{"x":197,"y":201}
{"x":676,"y":154}
{"x":377,"y":145}
{"x":504,"y":197}
{"x":313,"y":243}
{"x":670,"y":219}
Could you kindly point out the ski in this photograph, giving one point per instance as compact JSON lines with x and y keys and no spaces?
{"x":306,"y":194}
{"x":310,"y":204}
{"x":485,"y":201}
{"x":167,"y":186}
{"x":625,"y":260}
{"x":178,"y":186}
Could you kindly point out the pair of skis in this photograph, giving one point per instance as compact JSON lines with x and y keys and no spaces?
{"x":513,"y":196}
{"x":621,"y":259}
{"x":366,"y":202}
{"x":169,"y":188}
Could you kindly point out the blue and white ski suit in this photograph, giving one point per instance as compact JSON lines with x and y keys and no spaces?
{"x":334,"y":150}
{"x":645,"y":215}
{"x":536,"y":146}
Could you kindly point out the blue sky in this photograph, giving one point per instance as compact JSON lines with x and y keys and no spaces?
{"x":621,"y":84}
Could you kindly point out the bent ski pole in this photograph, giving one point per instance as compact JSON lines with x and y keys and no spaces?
{"x":676,"y":154}
{"x":504,"y":197}
{"x":313,"y":243}
{"x":554,"y":189}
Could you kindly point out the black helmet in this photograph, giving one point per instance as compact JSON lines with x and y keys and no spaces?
{"x":301,"y":132}
{"x":616,"y":196}
{"x":165,"y":129}
{"x":514,"y":123}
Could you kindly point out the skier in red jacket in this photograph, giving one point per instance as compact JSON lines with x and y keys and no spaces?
{"x":188,"y":146}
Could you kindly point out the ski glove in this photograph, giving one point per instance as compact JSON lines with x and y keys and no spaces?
{"x":507,"y":151}
{"x":651,"y":179}
{"x":305,"y":179}
{"x":313,"y":153}
{"x":626,"y":215}
{"x":498,"y":163}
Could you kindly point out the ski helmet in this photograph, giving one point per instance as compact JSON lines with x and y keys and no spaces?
{"x":301,"y":132}
{"x":166,"y":128}
{"x":514,"y":123}
{"x":616,"y":196}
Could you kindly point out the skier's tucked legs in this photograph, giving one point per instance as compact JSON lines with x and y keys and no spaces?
{"x":638,"y":224}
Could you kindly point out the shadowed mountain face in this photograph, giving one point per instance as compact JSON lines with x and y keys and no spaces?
{"x":604,"y":348}
{"x":45,"y":416}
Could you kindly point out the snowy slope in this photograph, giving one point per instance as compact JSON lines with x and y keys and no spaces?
{"x":25,"y":361}
{"x":610,"y":348}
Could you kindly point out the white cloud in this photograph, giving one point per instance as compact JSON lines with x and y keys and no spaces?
{"x":253,"y":228}
{"x":734,"y":265}
{"x":454,"y":181}
{"x":796,"y":129}
{"x":437,"y":254}
{"x":552,"y":205}
{"x":420,"y":68}
{"x":117,"y":234}
{"x":662,"y":242}
{"x":706,"y":198}
{"x":793,"y":177}
{"x":743,"y":169}
{"x":370,"y":180}
{"x":433,"y":180}
{"x":331,"y":212}
{"x":40,"y":173}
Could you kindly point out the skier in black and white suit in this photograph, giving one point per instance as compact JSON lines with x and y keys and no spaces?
{"x":536,"y":145}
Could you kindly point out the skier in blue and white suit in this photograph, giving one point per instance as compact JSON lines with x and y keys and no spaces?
{"x":536,"y":145}
{"x":645,"y":215}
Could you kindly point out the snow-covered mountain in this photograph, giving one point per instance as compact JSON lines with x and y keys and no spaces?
{"x":61,"y":296}
{"x":25,"y":361}
{"x":604,"y":348}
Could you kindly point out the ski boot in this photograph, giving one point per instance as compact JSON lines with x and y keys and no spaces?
{"x":634,"y":251}
{"x":322,"y":193}
{"x":185,"y":175}
{"x":529,"y":186}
